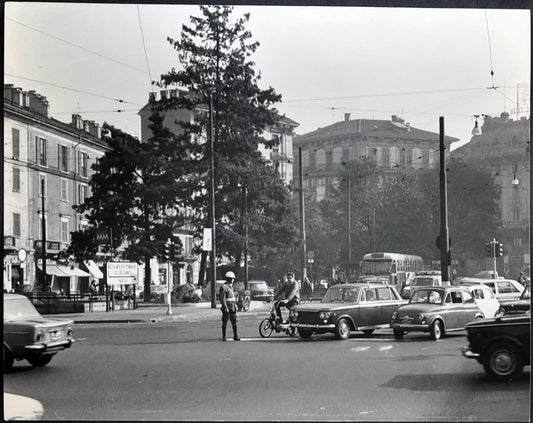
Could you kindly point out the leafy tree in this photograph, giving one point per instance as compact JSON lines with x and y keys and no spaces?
{"x":133,"y":191}
{"x":214,"y":54}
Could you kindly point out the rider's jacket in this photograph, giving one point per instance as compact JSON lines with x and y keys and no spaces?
{"x":290,"y":290}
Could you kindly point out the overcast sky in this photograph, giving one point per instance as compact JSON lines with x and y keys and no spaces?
{"x":416,"y":63}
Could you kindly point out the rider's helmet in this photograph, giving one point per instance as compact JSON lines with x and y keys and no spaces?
{"x":230,"y":275}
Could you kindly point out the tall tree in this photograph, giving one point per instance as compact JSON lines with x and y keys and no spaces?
{"x":214,"y":55}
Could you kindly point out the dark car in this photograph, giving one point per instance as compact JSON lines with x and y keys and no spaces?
{"x":437,"y":310}
{"x":30,"y":336}
{"x":522,"y":305}
{"x":500,"y":344}
{"x":260,"y":291}
{"x":347,"y":307}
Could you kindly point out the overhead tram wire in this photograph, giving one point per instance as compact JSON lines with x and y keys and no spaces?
{"x":144,"y":47}
{"x":490,"y":52}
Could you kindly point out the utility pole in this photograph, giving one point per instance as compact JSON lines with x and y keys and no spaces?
{"x":212,"y":198}
{"x":43,"y":229}
{"x":302,"y":215}
{"x":245,"y":236}
{"x":445,"y":253}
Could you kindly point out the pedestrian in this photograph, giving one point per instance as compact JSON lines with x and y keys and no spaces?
{"x":307,"y":289}
{"x":229,"y":306}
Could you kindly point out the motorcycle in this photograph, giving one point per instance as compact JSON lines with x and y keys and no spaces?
{"x":273,"y":323}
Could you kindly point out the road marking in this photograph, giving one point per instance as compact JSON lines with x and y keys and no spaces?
{"x":359,"y":349}
{"x":367,"y":412}
{"x":385,"y":348}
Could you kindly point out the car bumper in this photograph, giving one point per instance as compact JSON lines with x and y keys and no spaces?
{"x":50,"y":346}
{"x":468,"y":353}
{"x":329,"y":326}
{"x":410,"y":327}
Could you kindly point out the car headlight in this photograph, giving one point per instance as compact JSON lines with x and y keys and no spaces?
{"x":421,"y":317}
{"x":70,"y":331}
{"x":324,"y":315}
{"x":39,"y":335}
{"x":394,"y":315}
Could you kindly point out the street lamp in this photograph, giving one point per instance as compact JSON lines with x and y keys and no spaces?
{"x":515,"y":181}
{"x":245,"y":196}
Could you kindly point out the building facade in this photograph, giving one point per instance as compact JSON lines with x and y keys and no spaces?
{"x":502,"y":148}
{"x":40,"y":151}
{"x":394,"y":145}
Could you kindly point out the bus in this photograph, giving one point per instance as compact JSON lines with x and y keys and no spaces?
{"x":391,"y":268}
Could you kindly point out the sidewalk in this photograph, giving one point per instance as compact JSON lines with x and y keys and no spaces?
{"x":153,"y":313}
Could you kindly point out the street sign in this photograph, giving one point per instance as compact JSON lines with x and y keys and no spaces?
{"x":121,"y":273}
{"x":208,"y":240}
{"x":103,"y":236}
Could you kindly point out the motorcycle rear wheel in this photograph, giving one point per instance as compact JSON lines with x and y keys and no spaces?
{"x":266,"y":328}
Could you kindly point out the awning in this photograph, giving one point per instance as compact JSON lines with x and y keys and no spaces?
{"x":63,"y":271}
{"x":93,"y":268}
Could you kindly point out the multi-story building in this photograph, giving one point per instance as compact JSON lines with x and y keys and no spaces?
{"x":40,"y":151}
{"x":394,"y":145}
{"x":281,"y":157}
{"x":503,"y":149}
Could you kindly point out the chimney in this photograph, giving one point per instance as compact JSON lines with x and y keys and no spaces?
{"x":408,"y":126}
{"x":174,"y":93}
{"x":164,"y":94}
{"x":152,"y":96}
{"x":17,"y":96}
{"x":77,"y":122}
{"x":94,"y":129}
{"x":86,"y":125}
{"x":346,"y":117}
{"x":359,"y":126}
{"x":8,"y":92}
{"x":38,"y":103}
{"x":394,"y":118}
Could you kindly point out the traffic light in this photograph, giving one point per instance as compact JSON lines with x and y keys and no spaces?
{"x":488,"y":249}
{"x":166,"y":251}
{"x":176,"y":243}
{"x":172,"y":252}
{"x":499,"y":249}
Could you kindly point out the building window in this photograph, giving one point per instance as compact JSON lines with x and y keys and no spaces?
{"x":42,"y":177}
{"x":16,"y":179}
{"x":41,"y":151}
{"x":515,"y":167}
{"x":16,"y":224}
{"x":82,"y":190}
{"x":63,"y":158}
{"x":15,"y":138}
{"x":312,"y":160}
{"x":346,"y":155}
{"x":516,"y":214}
{"x":425,"y":158}
{"x":82,"y":164}
{"x":329,"y":159}
{"x":64,"y":229}
{"x":516,"y":195}
{"x":385,"y":157}
{"x":402,"y":158}
{"x":517,"y":242}
{"x":64,"y":189}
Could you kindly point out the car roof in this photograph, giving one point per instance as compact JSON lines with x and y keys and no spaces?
{"x":481,"y":281}
{"x":360,"y":285}
{"x":8,"y":296}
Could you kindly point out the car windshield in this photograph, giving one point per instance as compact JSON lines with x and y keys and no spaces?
{"x":238,"y":285}
{"x":526,"y":295}
{"x":19,"y":308}
{"x":256,"y":286}
{"x":427,"y":296}
{"x":426,"y":281}
{"x":341,"y":294}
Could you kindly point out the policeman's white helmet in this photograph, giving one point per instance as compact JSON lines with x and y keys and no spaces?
{"x":230,"y":274}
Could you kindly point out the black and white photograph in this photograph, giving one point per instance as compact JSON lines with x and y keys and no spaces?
{"x":267,"y":211}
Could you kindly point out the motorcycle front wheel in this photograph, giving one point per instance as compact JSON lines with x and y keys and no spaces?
{"x":266,"y":328}
{"x":246,"y":304}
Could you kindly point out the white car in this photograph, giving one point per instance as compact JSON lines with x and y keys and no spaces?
{"x":504,"y":289}
{"x":485,"y":299}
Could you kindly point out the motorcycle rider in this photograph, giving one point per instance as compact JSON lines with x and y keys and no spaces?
{"x":229,"y":306}
{"x":291,"y":294}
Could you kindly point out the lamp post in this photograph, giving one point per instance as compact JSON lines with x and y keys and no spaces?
{"x":212,"y":205}
{"x":302,"y":215}
{"x":245,"y":225}
{"x":43,"y":230}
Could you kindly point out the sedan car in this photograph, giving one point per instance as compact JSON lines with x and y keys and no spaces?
{"x":436,"y":310}
{"x":347,"y":307}
{"x":501,"y":345}
{"x":504,"y":289}
{"x":30,"y":336}
{"x":522,"y":305}
{"x":260,"y":291}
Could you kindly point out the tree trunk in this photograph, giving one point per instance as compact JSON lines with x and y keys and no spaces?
{"x":201,"y":274}
{"x":147,"y":279}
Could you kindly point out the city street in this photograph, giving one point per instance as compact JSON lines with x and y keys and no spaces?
{"x":182,"y":371}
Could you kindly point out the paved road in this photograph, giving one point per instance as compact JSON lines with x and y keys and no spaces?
{"x":180,"y":370}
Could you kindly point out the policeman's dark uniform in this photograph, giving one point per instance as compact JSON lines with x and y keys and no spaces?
{"x":229,"y":308}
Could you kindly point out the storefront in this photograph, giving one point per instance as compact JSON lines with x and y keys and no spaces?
{"x":64,"y":279}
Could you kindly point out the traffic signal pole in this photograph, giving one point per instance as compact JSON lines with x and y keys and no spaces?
{"x":445,"y":253}
{"x":493,"y":248}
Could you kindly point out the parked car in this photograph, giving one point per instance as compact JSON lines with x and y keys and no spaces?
{"x":437,"y":310}
{"x":260,"y":291}
{"x":347,"y":307}
{"x":501,"y":345}
{"x":487,"y":274}
{"x":18,"y":407}
{"x":429,"y":278}
{"x":206,"y":291}
{"x":485,"y":299}
{"x":30,"y":336}
{"x":504,"y":289}
{"x":522,"y":305}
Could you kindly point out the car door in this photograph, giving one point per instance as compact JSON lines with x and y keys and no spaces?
{"x":471,"y":309}
{"x":387,"y":304}
{"x":369,"y":309}
{"x":454,"y":315}
{"x":505,"y":290}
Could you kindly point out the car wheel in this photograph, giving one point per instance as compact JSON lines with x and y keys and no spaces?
{"x":266,"y":328}
{"x":342,"y":330}
{"x":40,"y":360}
{"x":398,"y":334}
{"x":503,"y":362}
{"x":305,"y":333}
{"x":368,"y":331}
{"x":436,"y":330}
{"x":8,"y":360}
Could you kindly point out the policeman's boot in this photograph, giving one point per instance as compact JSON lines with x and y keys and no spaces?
{"x":235,"y":334}
{"x":223,"y":331}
